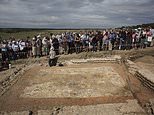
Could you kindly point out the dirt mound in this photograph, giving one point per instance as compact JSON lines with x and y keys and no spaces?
{"x":146,"y":59}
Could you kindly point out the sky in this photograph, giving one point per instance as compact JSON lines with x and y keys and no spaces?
{"x":75,"y":13}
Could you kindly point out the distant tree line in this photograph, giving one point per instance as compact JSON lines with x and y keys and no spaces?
{"x":140,"y":26}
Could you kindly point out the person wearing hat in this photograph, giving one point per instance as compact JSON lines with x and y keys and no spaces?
{"x":34,"y":47}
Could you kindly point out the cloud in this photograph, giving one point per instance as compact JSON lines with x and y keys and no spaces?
{"x":75,"y":13}
{"x":96,"y":1}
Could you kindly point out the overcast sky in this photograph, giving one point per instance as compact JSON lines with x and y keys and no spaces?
{"x":74,"y":13}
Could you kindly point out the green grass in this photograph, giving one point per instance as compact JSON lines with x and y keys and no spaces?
{"x":31,"y":34}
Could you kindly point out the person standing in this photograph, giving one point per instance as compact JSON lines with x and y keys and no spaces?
{"x":100,"y":40}
{"x":10,"y":51}
{"x":123,"y":39}
{"x":15,"y":48}
{"x":94,"y":43}
{"x":149,"y":36}
{"x":4,"y":51}
{"x":34,"y":50}
{"x":134,"y":40}
{"x":22,"y":46}
{"x":39,"y":46}
{"x":52,"y":61}
{"x":65,"y":44}
{"x":105,"y":41}
{"x":55,"y":43}
{"x":45,"y":46}
{"x":129,"y":40}
{"x":77,"y":43}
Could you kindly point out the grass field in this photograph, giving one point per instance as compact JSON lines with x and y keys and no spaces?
{"x":31,"y":34}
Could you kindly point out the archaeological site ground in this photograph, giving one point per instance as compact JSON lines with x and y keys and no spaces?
{"x":101,"y":83}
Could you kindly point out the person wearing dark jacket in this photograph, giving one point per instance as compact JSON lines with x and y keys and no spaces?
{"x":94,"y":43}
{"x":55,"y":43}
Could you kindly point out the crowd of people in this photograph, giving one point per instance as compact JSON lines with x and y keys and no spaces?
{"x":76,"y":42}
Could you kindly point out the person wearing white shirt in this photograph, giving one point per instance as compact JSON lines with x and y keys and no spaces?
{"x":52,"y":59}
{"x":15,"y":48}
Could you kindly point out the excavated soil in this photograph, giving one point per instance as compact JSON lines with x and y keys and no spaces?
{"x":87,"y":88}
{"x":81,"y":84}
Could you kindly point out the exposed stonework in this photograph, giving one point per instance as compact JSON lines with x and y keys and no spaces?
{"x":12,"y":76}
{"x":111,"y":59}
{"x":129,"y":108}
{"x":146,"y":76}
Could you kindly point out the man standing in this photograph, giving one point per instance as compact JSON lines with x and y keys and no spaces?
{"x":34,"y":47}
{"x":15,"y":48}
{"x":4,"y":51}
{"x":39,"y":46}
{"x":77,"y":43}
{"x":55,"y":43}
{"x":45,"y":46}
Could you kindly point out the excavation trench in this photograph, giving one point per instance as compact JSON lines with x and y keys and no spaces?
{"x":77,"y":83}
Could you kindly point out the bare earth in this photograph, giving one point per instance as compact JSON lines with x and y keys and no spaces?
{"x":76,"y":81}
{"x":78,"y":89}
